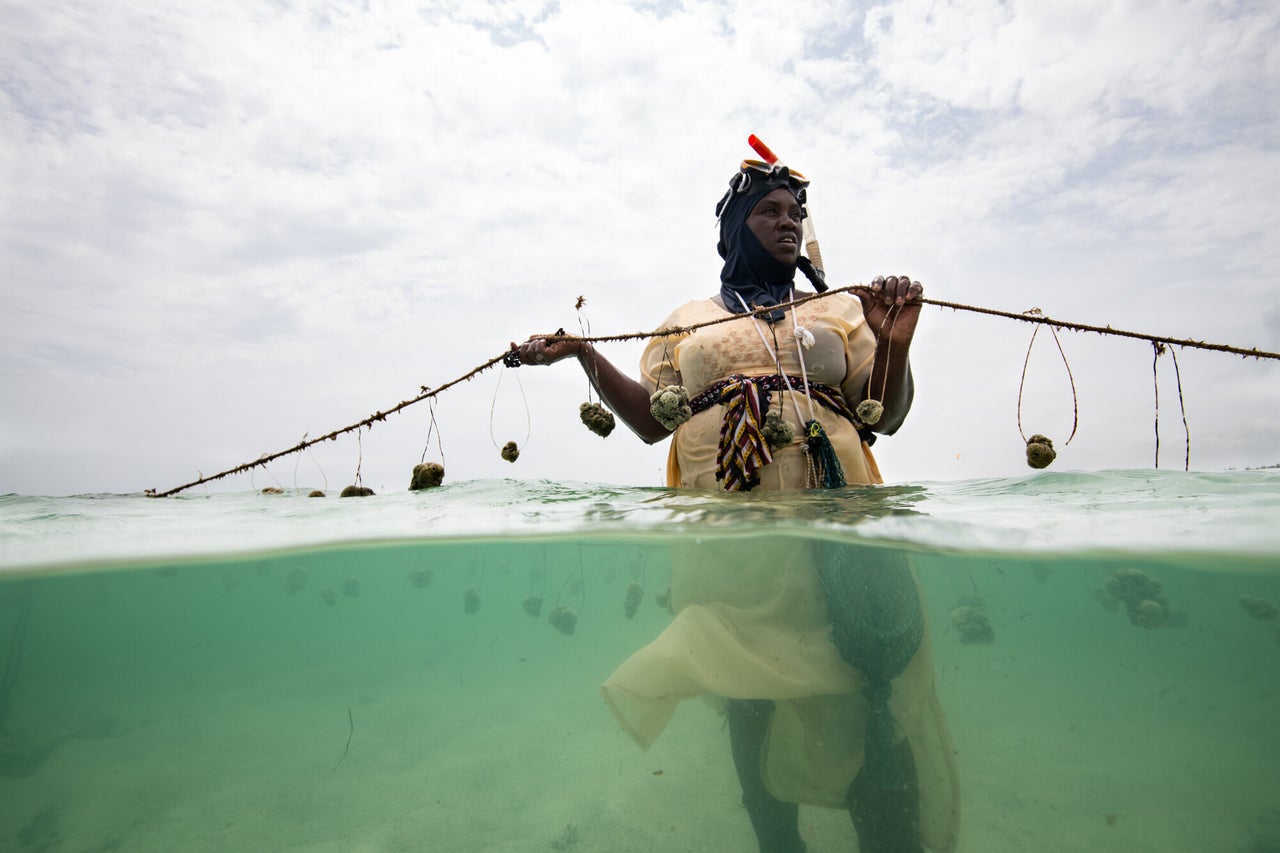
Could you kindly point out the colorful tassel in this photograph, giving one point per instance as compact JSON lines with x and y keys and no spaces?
{"x":828,"y":473}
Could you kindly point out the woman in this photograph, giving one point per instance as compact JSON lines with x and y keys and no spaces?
{"x":819,"y":650}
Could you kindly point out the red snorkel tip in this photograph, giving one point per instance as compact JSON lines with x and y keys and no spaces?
{"x":762,"y":149}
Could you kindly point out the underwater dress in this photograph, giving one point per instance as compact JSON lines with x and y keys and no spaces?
{"x":751,"y":620}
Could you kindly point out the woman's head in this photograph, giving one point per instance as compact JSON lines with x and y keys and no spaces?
{"x":753,"y":181}
{"x":761,"y":220}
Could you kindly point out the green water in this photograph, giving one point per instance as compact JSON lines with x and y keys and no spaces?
{"x":338,"y":695}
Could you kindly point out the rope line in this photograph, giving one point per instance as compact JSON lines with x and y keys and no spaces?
{"x":1189,"y":343}
{"x":1186,"y":464}
{"x":428,"y":392}
{"x":1157,"y":351}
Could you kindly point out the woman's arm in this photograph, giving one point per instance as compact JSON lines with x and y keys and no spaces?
{"x":624,"y":395}
{"x":892,"y":308}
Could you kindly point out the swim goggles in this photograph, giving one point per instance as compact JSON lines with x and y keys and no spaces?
{"x":756,"y":175}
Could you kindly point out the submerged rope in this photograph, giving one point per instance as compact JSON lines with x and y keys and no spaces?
{"x":428,"y":392}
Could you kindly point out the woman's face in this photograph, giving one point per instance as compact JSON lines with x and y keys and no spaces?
{"x":775,"y":220}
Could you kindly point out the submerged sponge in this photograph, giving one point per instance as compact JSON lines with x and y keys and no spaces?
{"x":1142,"y":595}
{"x":564,"y":620}
{"x":973,"y":624}
{"x":635,"y":595}
{"x":597,"y":418}
{"x":470,"y":600}
{"x":1259,"y":608}
{"x":426,"y":476}
{"x":356,"y":492}
{"x":662,"y":598}
{"x":296,"y":582}
{"x":533,"y":605}
{"x":1149,"y":614}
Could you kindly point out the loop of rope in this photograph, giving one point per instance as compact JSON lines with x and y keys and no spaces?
{"x":1075,"y":399}
{"x":593,"y":371}
{"x":528,"y":431}
{"x":804,"y":368}
{"x":434,"y":427}
{"x":777,"y":362}
{"x":666,"y":360}
{"x":298,"y":461}
{"x":582,"y":588}
{"x":359,"y":456}
{"x":893,"y":312}
{"x":429,"y":393}
{"x":253,"y":486}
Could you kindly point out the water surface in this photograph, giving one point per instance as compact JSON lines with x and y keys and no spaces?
{"x":239,"y":671}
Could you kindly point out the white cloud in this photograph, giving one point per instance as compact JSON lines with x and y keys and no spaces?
{"x":226,"y":225}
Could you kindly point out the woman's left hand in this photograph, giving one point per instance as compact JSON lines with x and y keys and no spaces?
{"x":538,"y":349}
{"x":892,"y":308}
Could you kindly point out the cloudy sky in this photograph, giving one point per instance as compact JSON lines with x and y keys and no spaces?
{"x":227,"y":225}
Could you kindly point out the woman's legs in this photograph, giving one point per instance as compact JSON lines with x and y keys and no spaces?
{"x":888,"y":821}
{"x":777,"y":824}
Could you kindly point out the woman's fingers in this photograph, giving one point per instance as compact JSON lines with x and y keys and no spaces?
{"x":896,"y":289}
{"x":538,"y":350}
{"x":533,"y":351}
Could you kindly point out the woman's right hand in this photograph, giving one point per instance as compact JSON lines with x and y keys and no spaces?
{"x":539,"y":350}
{"x":897,"y":300}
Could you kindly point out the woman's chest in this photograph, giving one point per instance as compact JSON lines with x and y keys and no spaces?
{"x":750,"y":346}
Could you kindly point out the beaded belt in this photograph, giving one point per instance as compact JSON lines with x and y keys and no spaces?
{"x":743,"y":450}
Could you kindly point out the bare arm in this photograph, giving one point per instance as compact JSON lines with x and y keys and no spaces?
{"x":892,"y":308}
{"x":624,"y":395}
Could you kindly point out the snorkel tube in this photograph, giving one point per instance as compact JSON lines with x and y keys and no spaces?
{"x":810,"y":234}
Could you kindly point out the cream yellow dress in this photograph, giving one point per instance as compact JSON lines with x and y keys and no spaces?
{"x":750,"y":616}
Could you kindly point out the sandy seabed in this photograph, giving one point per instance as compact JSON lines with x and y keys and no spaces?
{"x":523,"y":756}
